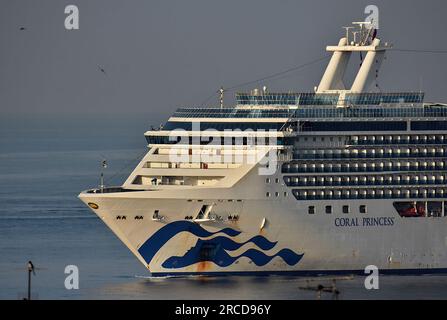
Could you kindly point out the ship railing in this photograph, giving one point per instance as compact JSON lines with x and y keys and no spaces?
{"x":112,"y":190}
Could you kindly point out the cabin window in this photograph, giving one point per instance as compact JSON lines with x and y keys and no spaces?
{"x":276,"y":194}
{"x":267,"y":194}
{"x":285,"y":194}
{"x":362,"y":208}
{"x":345,"y":209}
{"x":155,"y":215}
{"x":311,"y":210}
{"x":434,"y":209}
{"x":267,"y":180}
{"x":328,"y":209}
{"x":276,"y":180}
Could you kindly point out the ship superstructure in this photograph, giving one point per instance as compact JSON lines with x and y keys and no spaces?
{"x":329,"y":181}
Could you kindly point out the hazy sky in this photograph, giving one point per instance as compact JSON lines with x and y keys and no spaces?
{"x":159,"y":55}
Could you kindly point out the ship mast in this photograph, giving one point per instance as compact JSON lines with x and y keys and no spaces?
{"x":363,"y":40}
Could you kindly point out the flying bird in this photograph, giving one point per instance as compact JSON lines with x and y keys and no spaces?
{"x":22,"y":28}
{"x":102,"y":70}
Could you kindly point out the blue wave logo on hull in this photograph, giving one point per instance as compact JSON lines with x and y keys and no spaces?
{"x":151,"y":246}
{"x":213,"y":250}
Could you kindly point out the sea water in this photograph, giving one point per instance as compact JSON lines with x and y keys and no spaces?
{"x":46,"y":160}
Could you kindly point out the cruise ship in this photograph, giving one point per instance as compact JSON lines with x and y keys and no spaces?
{"x":323,"y":182}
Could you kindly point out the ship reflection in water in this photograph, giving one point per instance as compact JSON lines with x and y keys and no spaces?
{"x":275,"y":287}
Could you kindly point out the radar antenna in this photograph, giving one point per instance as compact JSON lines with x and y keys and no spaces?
{"x":103,"y":166}
{"x":221,"y":96}
{"x":347,"y":33}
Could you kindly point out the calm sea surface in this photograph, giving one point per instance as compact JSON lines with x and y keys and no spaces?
{"x":46,"y":161}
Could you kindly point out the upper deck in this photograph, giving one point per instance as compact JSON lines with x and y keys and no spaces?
{"x":329,"y":99}
{"x":303,"y":106}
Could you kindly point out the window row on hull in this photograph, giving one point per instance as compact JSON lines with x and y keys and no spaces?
{"x":221,"y":126}
{"x":176,"y":180}
{"x":302,"y":167}
{"x":372,"y":180}
{"x":210,"y":140}
{"x":371,"y":112}
{"x":376,"y":153}
{"x":344,"y":209}
{"x":369,"y":193}
{"x":428,"y":125}
{"x":391,"y":125}
{"x":397,"y":139}
{"x":311,"y":126}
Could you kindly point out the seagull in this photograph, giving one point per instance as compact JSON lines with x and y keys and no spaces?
{"x":102,"y":70}
{"x":31,"y":267}
{"x":22,"y":28}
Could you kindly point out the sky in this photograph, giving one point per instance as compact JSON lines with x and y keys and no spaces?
{"x":159,"y":55}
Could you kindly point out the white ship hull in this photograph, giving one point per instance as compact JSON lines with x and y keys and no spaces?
{"x":325,"y":244}
{"x":354,"y":178}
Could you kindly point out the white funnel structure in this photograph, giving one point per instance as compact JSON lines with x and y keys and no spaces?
{"x":335,"y":70}
{"x":332,"y":80}
{"x":370,"y":66}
